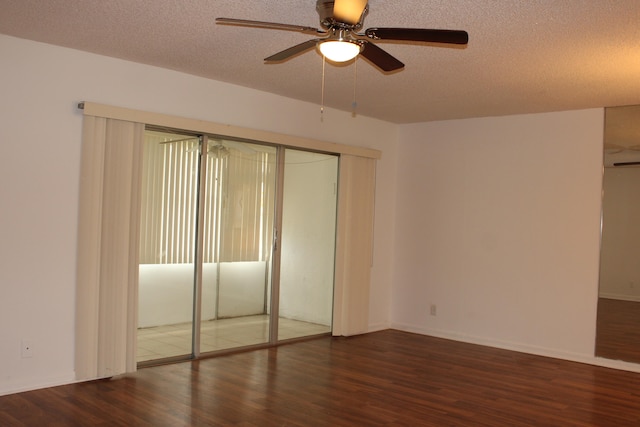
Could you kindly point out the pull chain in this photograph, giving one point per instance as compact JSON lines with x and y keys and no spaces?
{"x":322,"y":95}
{"x":354,"y":104}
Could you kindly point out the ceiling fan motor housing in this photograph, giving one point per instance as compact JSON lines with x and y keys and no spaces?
{"x":327,"y":20}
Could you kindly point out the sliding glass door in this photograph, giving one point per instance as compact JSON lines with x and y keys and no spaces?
{"x":238,"y":223}
{"x":209,"y":211}
{"x":308,"y":244}
{"x":168,"y":223}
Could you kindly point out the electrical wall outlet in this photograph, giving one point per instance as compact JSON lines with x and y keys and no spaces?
{"x":433,"y":310}
{"x":26,"y":349}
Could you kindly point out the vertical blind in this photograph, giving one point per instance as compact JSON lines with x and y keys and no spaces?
{"x":354,"y":245}
{"x":238,"y":203}
{"x":169,"y":196}
{"x":107,"y":270}
{"x":247,"y":193}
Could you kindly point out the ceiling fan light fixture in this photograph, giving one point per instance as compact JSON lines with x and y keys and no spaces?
{"x":339,"y":50}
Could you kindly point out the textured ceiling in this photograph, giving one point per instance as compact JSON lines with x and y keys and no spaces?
{"x":522,"y":57}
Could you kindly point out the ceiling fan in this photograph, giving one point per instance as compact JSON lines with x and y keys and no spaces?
{"x":339,"y":37}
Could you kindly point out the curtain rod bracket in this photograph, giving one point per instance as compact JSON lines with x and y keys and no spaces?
{"x":81,"y":105}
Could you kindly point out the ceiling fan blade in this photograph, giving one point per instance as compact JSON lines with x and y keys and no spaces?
{"x":419,"y":35}
{"x":349,"y":11}
{"x":292,"y":51}
{"x":380,"y":58}
{"x":268,"y":25}
{"x":627,"y":164}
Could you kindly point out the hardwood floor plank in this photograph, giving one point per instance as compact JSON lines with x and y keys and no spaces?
{"x":387,"y":378}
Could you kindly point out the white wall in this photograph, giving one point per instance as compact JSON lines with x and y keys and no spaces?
{"x":498,"y":226}
{"x":40,"y":132}
{"x":165,"y":291}
{"x":620,"y":266}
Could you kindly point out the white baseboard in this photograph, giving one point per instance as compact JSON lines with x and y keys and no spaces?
{"x":376,"y":327}
{"x":521,"y":348}
{"x":35,"y":384}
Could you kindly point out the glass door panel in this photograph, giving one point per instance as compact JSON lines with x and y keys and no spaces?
{"x":167,"y":245}
{"x":308,"y":244}
{"x":238,"y":234}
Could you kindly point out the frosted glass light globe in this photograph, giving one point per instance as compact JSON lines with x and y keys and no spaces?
{"x":339,"y":51}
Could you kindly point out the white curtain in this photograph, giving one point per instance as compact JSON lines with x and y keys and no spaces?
{"x":108,"y":236}
{"x":354,"y":245}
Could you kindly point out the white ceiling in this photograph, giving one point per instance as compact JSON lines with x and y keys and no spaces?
{"x":522,"y":57}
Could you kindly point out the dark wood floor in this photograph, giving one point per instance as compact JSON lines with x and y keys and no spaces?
{"x":387,"y":378}
{"x":618,"y":330}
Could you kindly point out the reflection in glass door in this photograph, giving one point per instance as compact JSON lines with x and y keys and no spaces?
{"x":308,"y":244}
{"x":169,"y":197}
{"x":206,"y":250}
{"x":206,"y":243}
{"x":238,"y":234}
